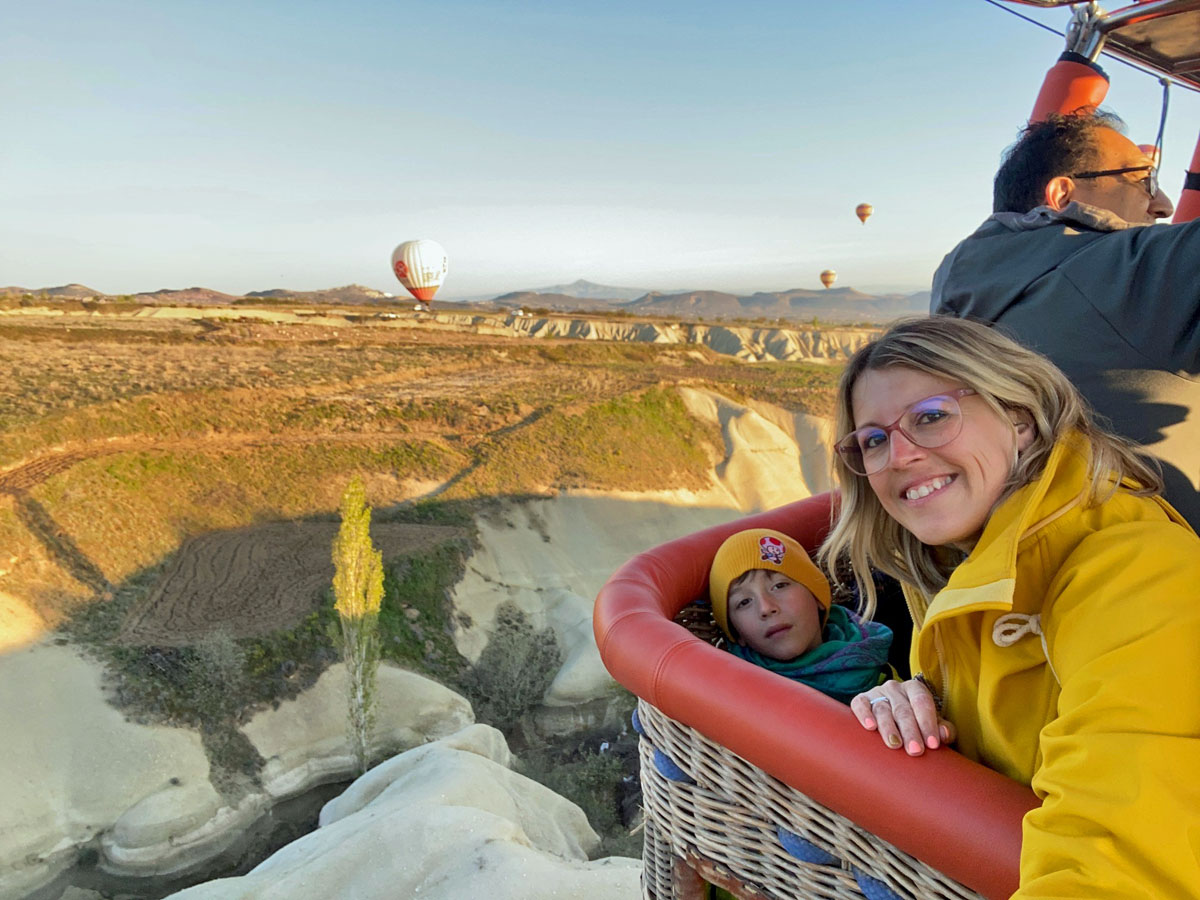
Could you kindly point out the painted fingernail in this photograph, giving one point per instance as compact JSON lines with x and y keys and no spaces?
{"x":915,"y":748}
{"x":869,"y":724}
{"x":894,"y":741}
{"x":931,"y":742}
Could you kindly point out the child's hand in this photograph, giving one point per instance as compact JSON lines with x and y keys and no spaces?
{"x":905,"y":715}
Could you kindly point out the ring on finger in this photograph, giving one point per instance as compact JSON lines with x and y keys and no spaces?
{"x":875,"y":700}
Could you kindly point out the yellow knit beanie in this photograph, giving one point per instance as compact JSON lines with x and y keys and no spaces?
{"x":761,"y":548}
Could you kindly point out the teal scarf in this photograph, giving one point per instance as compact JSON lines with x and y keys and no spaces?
{"x":852,"y":657}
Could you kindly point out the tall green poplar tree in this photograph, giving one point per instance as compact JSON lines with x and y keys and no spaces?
{"x":358,"y":591}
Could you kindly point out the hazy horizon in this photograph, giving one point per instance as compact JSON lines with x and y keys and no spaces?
{"x":446,"y":297}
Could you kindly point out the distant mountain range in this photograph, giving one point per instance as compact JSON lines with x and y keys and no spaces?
{"x":796,"y":305}
{"x":197,"y":296}
{"x":589,"y":290}
{"x":351,"y":293}
{"x":550,"y":300}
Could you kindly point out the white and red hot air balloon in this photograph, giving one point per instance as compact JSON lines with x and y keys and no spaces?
{"x":421,"y":267}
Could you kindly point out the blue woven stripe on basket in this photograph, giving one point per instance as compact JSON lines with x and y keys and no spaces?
{"x":873,"y":888}
{"x":804,"y":850}
{"x":667,"y":768}
{"x":637,"y":723}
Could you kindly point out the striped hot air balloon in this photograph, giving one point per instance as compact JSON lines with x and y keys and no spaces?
{"x":828,"y":277}
{"x":863,"y":211}
{"x":421,"y":267}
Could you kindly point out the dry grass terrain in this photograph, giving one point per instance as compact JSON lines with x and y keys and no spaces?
{"x":121,"y":438}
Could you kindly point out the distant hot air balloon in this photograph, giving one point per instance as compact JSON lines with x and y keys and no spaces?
{"x":863,"y":211}
{"x":1151,"y":151}
{"x":421,"y":267}
{"x":828,"y":277}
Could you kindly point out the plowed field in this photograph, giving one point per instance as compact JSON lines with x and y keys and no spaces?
{"x":253,"y":581}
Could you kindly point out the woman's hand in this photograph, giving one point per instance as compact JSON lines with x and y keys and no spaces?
{"x":905,"y":715}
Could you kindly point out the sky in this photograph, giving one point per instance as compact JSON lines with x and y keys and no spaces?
{"x":245,"y":146}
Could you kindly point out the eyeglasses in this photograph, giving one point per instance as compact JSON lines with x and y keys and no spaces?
{"x":1149,"y":183}
{"x":928,"y":423}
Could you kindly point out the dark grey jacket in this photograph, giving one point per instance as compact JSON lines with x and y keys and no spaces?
{"x":1115,"y":305}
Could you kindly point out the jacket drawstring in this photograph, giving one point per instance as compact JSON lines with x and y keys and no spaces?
{"x":1012,"y":627}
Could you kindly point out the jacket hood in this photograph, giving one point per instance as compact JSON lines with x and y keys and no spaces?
{"x":993,"y":268}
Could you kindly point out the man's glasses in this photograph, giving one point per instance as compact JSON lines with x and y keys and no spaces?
{"x":928,"y":423}
{"x":1149,"y":183}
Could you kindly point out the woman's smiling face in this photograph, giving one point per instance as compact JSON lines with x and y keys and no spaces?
{"x":943,"y":495}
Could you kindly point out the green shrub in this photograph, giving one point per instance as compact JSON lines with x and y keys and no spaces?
{"x":513,"y":672}
{"x":415,"y":630}
{"x":281,"y":664}
{"x":597,"y":771}
{"x":590,"y":782}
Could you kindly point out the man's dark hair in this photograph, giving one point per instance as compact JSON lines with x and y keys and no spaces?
{"x":1057,"y":145}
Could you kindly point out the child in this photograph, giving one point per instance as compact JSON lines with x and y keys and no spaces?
{"x":774,"y":605}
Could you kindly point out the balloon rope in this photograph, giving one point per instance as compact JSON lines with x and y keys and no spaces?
{"x":1162,"y":120}
{"x":1009,"y":9}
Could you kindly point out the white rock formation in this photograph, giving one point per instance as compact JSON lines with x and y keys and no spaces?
{"x":304,"y":744}
{"x":551,"y":557}
{"x":72,"y":763}
{"x":75,"y":769}
{"x":177,"y":829}
{"x":304,"y":741}
{"x":444,"y":822}
{"x":772,"y":456}
{"x":745,"y":342}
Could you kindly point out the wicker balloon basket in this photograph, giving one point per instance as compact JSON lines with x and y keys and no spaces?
{"x":713,"y":817}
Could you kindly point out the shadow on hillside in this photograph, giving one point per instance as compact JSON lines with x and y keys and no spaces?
{"x":479,"y":462}
{"x":57,"y":543}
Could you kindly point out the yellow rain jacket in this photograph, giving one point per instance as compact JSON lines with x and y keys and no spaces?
{"x":1066,"y":649}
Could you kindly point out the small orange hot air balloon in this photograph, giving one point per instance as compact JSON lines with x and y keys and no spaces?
{"x":863,"y":211}
{"x":828,"y":277}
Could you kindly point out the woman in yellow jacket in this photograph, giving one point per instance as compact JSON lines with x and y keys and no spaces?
{"x":1055,"y":598}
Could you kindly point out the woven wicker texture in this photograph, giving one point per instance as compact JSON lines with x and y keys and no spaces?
{"x":731,"y":816}
{"x":702,"y":800}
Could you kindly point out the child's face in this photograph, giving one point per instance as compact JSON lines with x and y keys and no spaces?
{"x":774,"y":615}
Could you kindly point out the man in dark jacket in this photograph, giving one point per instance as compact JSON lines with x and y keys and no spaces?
{"x":1071,"y":264}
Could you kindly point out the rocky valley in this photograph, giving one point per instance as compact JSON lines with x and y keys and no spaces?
{"x":168,"y":487}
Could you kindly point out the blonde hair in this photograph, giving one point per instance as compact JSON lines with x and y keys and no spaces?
{"x":1009,"y":378}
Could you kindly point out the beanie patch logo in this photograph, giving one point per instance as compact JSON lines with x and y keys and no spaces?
{"x":771,"y":550}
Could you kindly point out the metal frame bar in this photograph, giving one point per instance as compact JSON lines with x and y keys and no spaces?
{"x":1145,"y":12}
{"x":1184,"y":72}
